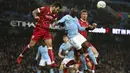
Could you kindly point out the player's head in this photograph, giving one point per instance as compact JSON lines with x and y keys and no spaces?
{"x":84,"y":14}
{"x":74,"y":12}
{"x":65,"y":38}
{"x":56,"y":7}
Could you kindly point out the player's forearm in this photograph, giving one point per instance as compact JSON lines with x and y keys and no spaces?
{"x":59,"y":54}
{"x":81,"y":28}
{"x":35,"y":13}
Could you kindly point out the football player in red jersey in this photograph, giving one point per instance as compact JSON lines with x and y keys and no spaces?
{"x":45,"y":16}
{"x":83,"y":22}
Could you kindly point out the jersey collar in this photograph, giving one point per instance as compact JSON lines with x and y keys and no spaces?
{"x":82,"y":20}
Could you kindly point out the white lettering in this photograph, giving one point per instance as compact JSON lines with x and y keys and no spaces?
{"x":98,"y":30}
{"x":128,"y":32}
{"x":123,"y":31}
{"x":24,"y":24}
{"x":30,"y":24}
{"x":115,"y":31}
{"x":15,"y":23}
{"x":18,"y":22}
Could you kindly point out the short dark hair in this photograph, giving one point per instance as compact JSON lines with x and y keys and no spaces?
{"x":74,"y":11}
{"x":83,"y":10}
{"x":65,"y":35}
{"x":57,"y":4}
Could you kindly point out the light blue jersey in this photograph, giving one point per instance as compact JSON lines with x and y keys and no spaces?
{"x":66,"y":46}
{"x":71,"y":25}
{"x":44,"y":53}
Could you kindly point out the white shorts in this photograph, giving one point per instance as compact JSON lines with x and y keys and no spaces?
{"x":66,"y":60}
{"x":77,"y":41}
{"x":44,"y":62}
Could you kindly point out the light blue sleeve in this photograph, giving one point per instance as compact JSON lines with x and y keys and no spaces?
{"x":60,"y":49}
{"x":79,"y":27}
{"x":62,"y":19}
{"x":38,"y":53}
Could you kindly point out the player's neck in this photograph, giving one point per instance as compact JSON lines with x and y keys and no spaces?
{"x":84,"y":20}
{"x":65,"y":41}
{"x":73,"y":15}
{"x":43,"y":45}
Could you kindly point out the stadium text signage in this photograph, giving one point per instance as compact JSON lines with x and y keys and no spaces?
{"x":121,"y":31}
{"x":16,"y":23}
{"x":113,"y":31}
{"x":98,"y":30}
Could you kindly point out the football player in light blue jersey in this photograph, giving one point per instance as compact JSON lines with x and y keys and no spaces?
{"x":45,"y":58}
{"x":68,"y":58}
{"x":76,"y":39}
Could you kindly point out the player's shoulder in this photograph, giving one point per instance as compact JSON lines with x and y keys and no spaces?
{"x":68,"y":42}
{"x":67,"y":15}
{"x":45,"y":46}
{"x":47,"y":7}
{"x":76,"y":18}
{"x":40,"y":47}
{"x":62,"y":44}
{"x":44,"y":7}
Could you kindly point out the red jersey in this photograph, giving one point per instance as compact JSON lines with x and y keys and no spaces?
{"x":46,"y":17}
{"x":83,"y":24}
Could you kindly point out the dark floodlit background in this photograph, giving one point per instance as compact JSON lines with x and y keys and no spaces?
{"x":111,"y":37}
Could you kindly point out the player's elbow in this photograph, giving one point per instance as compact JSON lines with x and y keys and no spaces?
{"x":33,"y":13}
{"x":59,"y":54}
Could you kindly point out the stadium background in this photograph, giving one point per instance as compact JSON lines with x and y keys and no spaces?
{"x":111,"y":36}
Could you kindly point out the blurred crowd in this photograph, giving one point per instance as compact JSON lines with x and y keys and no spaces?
{"x":114,"y":57}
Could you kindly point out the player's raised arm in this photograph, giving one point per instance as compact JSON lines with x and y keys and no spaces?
{"x":35,"y":13}
{"x":91,"y":27}
{"x":62,"y":20}
{"x":79,"y":27}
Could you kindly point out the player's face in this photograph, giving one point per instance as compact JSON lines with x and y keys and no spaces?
{"x":74,"y":12}
{"x":84,"y":15}
{"x":65,"y":39}
{"x":56,"y":9}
